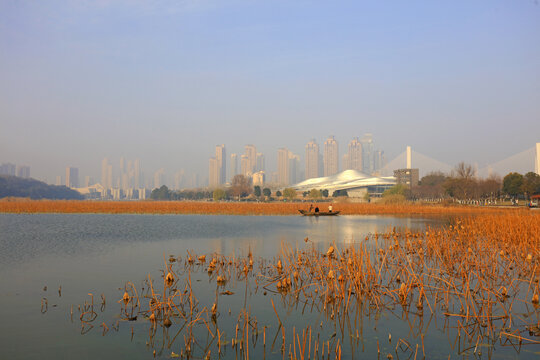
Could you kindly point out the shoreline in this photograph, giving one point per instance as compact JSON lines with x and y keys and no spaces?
{"x":234,"y":208}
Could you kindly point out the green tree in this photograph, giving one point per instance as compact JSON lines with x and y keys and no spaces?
{"x":162,"y":193}
{"x":289,"y":193}
{"x":512,"y":183}
{"x":431,"y":185}
{"x":398,"y":189}
{"x":278,"y":193}
{"x":325,"y":193}
{"x":315,"y":194}
{"x":257,"y":190}
{"x":531,"y":183}
{"x":219,"y":194}
{"x":267,"y":192}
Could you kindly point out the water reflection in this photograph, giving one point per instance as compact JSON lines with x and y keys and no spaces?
{"x":98,"y":253}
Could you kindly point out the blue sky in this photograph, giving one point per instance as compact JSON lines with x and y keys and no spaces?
{"x":165,"y":81}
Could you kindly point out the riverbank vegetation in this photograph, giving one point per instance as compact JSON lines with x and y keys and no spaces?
{"x":232,"y":208}
{"x":475,"y":281}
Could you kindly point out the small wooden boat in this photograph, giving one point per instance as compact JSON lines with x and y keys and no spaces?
{"x":320,"y":213}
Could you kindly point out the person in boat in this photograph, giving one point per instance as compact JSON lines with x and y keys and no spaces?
{"x":311,"y":208}
{"x":316,"y":209}
{"x":330,"y":208}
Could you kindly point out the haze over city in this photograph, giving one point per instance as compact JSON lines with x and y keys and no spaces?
{"x":165,"y":82}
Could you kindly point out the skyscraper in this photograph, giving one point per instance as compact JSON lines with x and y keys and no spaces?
{"x":251,"y":156}
{"x":109,"y":177}
{"x":23,"y":171}
{"x":312,"y":159}
{"x":213,"y":173}
{"x":234,"y":165}
{"x":244,"y":165}
{"x":8,"y":169}
{"x":537,"y":159}
{"x":294,"y":168}
{"x":283,"y":166}
{"x":72,"y":177}
{"x":179,"y":179}
{"x":355,"y":155}
{"x":137,"y":181}
{"x":104,"y":173}
{"x":331,"y":156}
{"x":367,"y":153}
{"x":221,"y":158}
{"x":159,"y":178}
{"x":345,"y":162}
{"x":260,"y":162}
{"x":379,"y":160}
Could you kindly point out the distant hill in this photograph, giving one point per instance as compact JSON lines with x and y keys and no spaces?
{"x":14,"y":186}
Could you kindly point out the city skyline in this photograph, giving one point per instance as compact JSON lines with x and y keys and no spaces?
{"x":130,"y":175}
{"x":455,"y":80}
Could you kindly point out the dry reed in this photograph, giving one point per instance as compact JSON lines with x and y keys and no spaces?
{"x":478,"y":275}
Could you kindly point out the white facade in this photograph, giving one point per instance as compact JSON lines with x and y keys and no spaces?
{"x":537,"y":159}
{"x":350,"y":180}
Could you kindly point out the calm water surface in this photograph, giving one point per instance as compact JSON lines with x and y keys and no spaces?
{"x":91,"y":253}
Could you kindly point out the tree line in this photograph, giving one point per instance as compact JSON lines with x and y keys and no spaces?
{"x":462,"y":183}
{"x":241,"y":188}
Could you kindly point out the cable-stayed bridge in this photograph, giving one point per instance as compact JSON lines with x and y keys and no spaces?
{"x":523,"y":162}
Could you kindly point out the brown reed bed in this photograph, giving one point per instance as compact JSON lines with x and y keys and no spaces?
{"x":478,"y":278}
{"x":232,"y":208}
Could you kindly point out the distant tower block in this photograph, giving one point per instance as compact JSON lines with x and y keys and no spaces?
{"x":537,"y":159}
{"x":409,"y":157}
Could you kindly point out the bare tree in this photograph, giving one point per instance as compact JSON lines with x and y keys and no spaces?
{"x":241,"y":186}
{"x":464,"y":171}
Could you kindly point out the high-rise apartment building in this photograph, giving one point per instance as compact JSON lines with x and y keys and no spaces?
{"x":367,"y":153}
{"x":379,"y":160}
{"x":105,"y":176}
{"x":312,"y":160}
{"x":260,"y":162}
{"x":251,"y":156}
{"x":259,"y":178}
{"x":8,"y":169}
{"x":283,"y":166}
{"x":331,"y":156}
{"x":244,"y":165}
{"x":88,"y":181}
{"x":221,"y":158}
{"x":23,"y":171}
{"x":355,"y":159}
{"x":72,"y":177}
{"x":137,"y":174}
{"x":537,"y":159}
{"x":213,"y":173}
{"x":294,"y":168}
{"x":159,"y":178}
{"x":345,"y":162}
{"x":109,"y":176}
{"x":179,"y":179}
{"x":234,"y":165}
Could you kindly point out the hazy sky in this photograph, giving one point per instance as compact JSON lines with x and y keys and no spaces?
{"x":165,"y":81}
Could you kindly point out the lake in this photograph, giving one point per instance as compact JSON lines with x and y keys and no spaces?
{"x":97,"y":254}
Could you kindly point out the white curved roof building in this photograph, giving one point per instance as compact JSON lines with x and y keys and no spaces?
{"x":355,"y":182}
